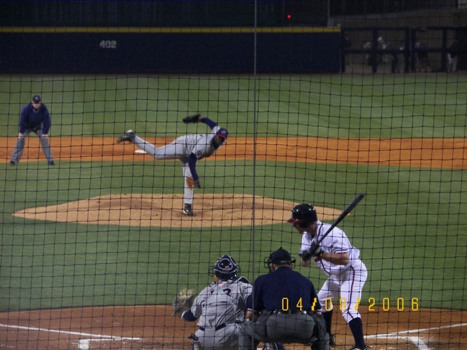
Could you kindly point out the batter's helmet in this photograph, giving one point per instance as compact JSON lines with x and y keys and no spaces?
{"x":304,"y":214}
{"x":225,"y":268}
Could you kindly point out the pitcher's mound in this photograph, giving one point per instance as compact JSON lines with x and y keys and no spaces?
{"x":165,"y":210}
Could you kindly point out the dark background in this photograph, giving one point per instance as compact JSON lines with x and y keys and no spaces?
{"x":38,"y":36}
{"x":203,"y":13}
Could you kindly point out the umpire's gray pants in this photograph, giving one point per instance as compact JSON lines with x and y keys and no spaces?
{"x":286,"y":328}
{"x":19,"y":147}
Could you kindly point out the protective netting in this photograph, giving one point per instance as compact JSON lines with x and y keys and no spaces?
{"x":95,"y":246}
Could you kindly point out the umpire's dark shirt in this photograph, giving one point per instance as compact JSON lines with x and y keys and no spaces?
{"x":281,"y":289}
{"x":32,"y":119}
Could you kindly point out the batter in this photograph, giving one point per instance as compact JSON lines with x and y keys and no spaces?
{"x":338,"y":259}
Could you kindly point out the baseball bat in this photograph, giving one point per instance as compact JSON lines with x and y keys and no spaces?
{"x":343,"y":215}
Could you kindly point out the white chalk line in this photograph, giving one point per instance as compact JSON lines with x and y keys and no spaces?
{"x":417,"y":341}
{"x":83,"y":343}
{"x":416,"y":330}
{"x":80,"y":334}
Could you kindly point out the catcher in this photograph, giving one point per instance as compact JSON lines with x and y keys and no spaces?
{"x":219,"y":308}
{"x":189,"y":149}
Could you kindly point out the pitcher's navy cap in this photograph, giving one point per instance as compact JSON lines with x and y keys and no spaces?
{"x":222,"y":133}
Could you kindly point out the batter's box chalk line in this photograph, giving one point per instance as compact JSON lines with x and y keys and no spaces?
{"x":416,"y":340}
{"x":83,"y":344}
{"x":87,"y":338}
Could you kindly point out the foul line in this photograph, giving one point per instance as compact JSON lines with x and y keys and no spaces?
{"x":416,"y":330}
{"x":82,"y":346}
{"x":84,"y":343}
{"x":417,"y":341}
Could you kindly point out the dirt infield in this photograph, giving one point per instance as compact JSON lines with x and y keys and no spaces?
{"x":153,"y":327}
{"x":431,"y":153}
{"x":164,"y":210}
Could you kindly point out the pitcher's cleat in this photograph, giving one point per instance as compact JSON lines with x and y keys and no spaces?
{"x":188,"y":210}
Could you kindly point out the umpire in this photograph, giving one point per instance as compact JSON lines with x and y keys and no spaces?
{"x":285,"y":306}
{"x":35,"y":118}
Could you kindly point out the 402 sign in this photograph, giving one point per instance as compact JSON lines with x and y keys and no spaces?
{"x":108,"y":44}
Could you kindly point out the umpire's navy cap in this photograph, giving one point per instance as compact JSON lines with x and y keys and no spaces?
{"x":36,"y":99}
{"x":281,"y":257}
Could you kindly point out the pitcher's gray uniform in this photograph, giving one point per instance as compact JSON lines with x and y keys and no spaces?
{"x":220,"y":308}
{"x":188,"y":149}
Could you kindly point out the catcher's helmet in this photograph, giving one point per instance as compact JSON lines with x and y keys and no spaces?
{"x":279,"y":257}
{"x":225,"y":268}
{"x":304,"y":214}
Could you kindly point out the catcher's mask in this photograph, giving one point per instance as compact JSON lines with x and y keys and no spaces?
{"x":279,"y":257}
{"x":303,"y":214}
{"x":225,"y":268}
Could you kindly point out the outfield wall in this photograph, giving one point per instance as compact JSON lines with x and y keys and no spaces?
{"x":169,"y":50}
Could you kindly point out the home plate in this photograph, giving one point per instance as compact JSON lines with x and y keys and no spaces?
{"x":140,"y":151}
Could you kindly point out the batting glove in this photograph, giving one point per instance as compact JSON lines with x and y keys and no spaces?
{"x":318,"y":253}
{"x":315,"y":251}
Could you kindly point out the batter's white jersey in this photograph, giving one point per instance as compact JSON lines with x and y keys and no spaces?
{"x":336,"y":242}
{"x":345,"y":281}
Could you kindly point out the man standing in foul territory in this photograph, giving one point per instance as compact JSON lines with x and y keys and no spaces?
{"x":188,"y":149}
{"x":35,"y":118}
{"x":338,"y":259}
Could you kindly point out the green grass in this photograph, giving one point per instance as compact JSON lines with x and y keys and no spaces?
{"x":327,"y":106}
{"x":48,"y":264}
{"x":411,"y":226}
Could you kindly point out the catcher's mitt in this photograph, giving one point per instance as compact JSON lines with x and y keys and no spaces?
{"x":183,"y":301}
{"x":192,"y":119}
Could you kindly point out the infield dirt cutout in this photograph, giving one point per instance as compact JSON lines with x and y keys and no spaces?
{"x":153,"y":327}
{"x":165,"y":210}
